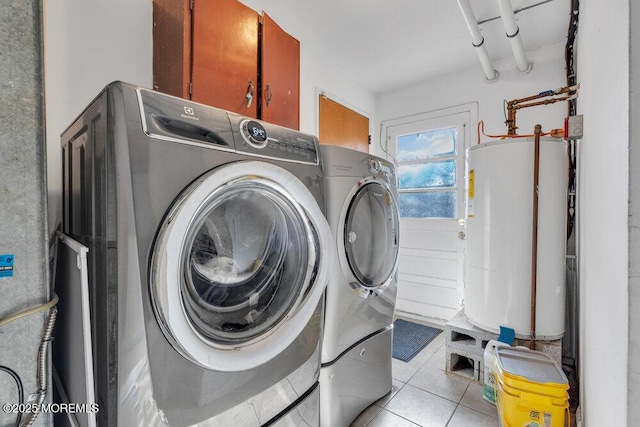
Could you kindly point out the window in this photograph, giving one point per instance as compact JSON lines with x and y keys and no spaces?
{"x":427,"y":173}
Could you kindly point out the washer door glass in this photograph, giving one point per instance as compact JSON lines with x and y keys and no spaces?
{"x":244,"y":263}
{"x":371,"y":235}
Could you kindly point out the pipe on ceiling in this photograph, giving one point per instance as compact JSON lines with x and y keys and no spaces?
{"x":513,"y":34}
{"x":478,"y":40}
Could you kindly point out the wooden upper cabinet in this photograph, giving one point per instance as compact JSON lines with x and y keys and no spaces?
{"x":172,"y":47}
{"x":217,"y":51}
{"x":225,"y":55}
{"x":280,"y":71}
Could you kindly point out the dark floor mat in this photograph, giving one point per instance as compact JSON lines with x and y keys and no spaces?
{"x":409,"y":338}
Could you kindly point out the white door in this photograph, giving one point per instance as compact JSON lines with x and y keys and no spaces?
{"x":430,"y":154}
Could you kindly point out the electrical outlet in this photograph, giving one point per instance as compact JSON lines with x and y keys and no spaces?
{"x":574,"y":127}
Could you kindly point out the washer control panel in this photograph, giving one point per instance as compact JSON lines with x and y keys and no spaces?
{"x":173,"y":119}
{"x":262,"y":139}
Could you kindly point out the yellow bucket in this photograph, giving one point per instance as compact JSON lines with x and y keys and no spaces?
{"x":531,"y":389}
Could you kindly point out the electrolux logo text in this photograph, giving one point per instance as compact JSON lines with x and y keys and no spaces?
{"x":189,"y":114}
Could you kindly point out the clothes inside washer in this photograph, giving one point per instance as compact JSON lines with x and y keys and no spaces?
{"x":243,"y":261}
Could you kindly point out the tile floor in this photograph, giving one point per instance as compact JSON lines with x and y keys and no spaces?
{"x":425,"y":395}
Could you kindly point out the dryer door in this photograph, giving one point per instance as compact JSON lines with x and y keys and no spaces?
{"x":370,"y":236}
{"x":239,"y":266}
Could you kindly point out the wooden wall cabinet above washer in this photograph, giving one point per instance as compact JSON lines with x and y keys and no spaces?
{"x":224,"y":54}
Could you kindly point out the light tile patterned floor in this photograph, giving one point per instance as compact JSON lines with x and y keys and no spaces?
{"x":424,"y":395}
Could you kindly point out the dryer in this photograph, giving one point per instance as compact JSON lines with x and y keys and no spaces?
{"x":208,"y":257}
{"x":361,"y":204}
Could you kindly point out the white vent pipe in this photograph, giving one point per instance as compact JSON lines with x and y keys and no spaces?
{"x":513,"y":34}
{"x":478,"y":40}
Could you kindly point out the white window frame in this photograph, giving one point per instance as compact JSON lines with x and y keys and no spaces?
{"x":448,"y":117}
{"x":439,"y":159}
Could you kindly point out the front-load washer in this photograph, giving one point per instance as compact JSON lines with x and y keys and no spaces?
{"x":208,"y":257}
{"x":360,"y":198}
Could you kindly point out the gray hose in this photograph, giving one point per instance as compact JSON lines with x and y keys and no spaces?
{"x":43,"y":366}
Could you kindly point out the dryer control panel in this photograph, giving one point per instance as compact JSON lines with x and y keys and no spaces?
{"x":262,"y":139}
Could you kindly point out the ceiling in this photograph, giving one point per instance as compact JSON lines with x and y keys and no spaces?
{"x":385,"y":45}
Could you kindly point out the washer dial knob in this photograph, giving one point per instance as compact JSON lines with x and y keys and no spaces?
{"x":254,"y":133}
{"x":374,"y":166}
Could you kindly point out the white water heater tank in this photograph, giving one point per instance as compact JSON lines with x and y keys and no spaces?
{"x":497,"y":288}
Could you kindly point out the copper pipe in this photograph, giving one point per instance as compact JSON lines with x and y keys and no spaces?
{"x":511,"y":118}
{"x":552,"y":132}
{"x":534,"y":233}
{"x":545,"y":102}
{"x":515,"y":105}
{"x":543,"y":95}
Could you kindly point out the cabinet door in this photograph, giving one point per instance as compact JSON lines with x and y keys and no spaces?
{"x":342,"y":126}
{"x":280,"y":71}
{"x":225,"y":55}
{"x":172,"y":47}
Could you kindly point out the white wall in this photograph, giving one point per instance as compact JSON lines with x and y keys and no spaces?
{"x":87,"y":46}
{"x":469,"y":85}
{"x":603,"y":64}
{"x":634,"y":215}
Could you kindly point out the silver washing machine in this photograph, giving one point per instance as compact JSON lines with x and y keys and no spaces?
{"x":208,"y":257}
{"x":362,"y":210}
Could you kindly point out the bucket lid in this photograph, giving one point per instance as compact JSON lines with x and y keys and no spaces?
{"x":531,"y":365}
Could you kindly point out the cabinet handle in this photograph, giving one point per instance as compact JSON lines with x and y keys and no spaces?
{"x":268,"y":94}
{"x":249,"y":94}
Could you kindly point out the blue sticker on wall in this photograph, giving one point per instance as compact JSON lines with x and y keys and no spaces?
{"x":6,"y":265}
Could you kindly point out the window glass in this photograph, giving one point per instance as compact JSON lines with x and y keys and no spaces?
{"x":428,"y":205}
{"x":427,"y":175}
{"x":426,"y":145}
{"x":427,"y":161}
